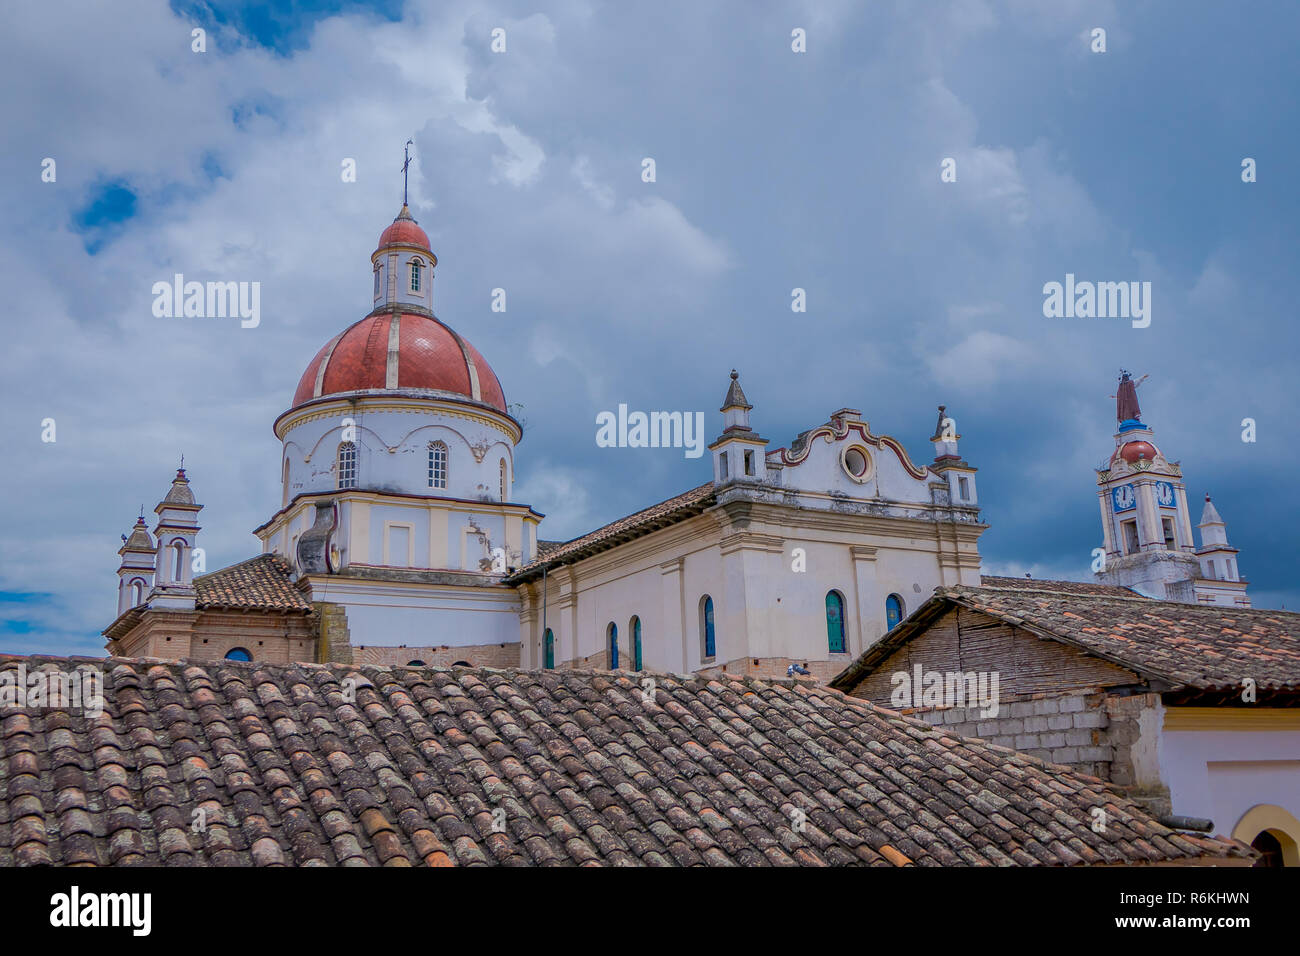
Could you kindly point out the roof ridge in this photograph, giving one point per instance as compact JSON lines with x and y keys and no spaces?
{"x":1074,"y":594}
{"x":703,"y":490}
{"x":239,"y":564}
{"x":1132,"y":598}
{"x":680,"y":677}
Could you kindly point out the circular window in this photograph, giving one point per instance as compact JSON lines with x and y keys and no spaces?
{"x":857,"y":462}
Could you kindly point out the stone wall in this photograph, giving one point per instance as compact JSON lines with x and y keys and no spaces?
{"x":1066,"y":728}
{"x":335,"y":638}
{"x":1104,"y":735}
{"x":1054,"y":702}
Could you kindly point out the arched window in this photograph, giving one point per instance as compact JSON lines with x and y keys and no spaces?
{"x":708,"y":644}
{"x":461,"y":664}
{"x":238,"y":654}
{"x":893,"y":611}
{"x":635,"y":627}
{"x":415,"y":274}
{"x":376,"y":280}
{"x":437,"y":465}
{"x":611,"y":643}
{"x":548,"y":650}
{"x":348,"y":464}
{"x":178,"y":561}
{"x":503,"y":479}
{"x":137,"y":592}
{"x":415,"y":663}
{"x":835,"y":623}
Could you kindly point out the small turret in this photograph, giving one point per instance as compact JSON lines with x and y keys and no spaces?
{"x":175,"y":532}
{"x":738,"y":453}
{"x":135,"y":574}
{"x":1218,"y":558}
{"x":948,"y":463}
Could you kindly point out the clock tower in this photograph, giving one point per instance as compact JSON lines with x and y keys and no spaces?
{"x":1146,"y":528}
{"x":1146,"y":525}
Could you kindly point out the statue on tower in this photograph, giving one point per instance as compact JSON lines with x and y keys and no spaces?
{"x":1126,"y":398}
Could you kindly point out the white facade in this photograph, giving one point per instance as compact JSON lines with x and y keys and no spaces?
{"x":1234,"y":767}
{"x":841,"y":512}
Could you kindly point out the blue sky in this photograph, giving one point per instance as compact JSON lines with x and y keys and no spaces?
{"x":775,"y":170}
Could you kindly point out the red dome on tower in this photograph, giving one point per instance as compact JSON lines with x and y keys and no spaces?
{"x":399,"y":351}
{"x":1135,"y":451}
{"x":404,"y":231}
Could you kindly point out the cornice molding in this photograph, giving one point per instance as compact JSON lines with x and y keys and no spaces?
{"x":398,"y":401}
{"x":752,"y":541}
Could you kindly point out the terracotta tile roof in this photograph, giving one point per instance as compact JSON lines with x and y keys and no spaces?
{"x":635,"y":525}
{"x":1066,"y":587}
{"x":260,"y":583}
{"x":1195,"y":647}
{"x":478,"y":766}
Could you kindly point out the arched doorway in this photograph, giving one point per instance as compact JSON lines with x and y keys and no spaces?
{"x":1273,"y":831}
{"x":1270,"y":848}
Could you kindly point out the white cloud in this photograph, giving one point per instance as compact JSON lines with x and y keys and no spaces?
{"x":980,"y":360}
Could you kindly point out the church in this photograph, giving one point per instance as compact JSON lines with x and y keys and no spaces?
{"x":398,"y":540}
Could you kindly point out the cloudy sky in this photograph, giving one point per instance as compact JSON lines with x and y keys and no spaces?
{"x":775,"y":170}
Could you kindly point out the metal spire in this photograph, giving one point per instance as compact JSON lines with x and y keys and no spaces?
{"x":406,"y":163}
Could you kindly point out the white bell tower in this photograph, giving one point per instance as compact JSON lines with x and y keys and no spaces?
{"x":1220,"y":581}
{"x":135,"y":575}
{"x":177,"y":529}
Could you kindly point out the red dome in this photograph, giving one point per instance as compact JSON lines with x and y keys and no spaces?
{"x":404,"y":232}
{"x":1135,"y":450}
{"x":428,"y":355}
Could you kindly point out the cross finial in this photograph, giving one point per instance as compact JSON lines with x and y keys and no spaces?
{"x":406,"y":164}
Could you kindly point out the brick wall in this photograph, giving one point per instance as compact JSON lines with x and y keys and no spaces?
{"x":965,"y":640}
{"x":269,"y":636}
{"x":274,"y":638}
{"x":479,"y":655}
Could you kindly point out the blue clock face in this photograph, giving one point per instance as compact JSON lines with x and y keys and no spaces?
{"x":1123,"y":498}
{"x":1165,"y":494}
